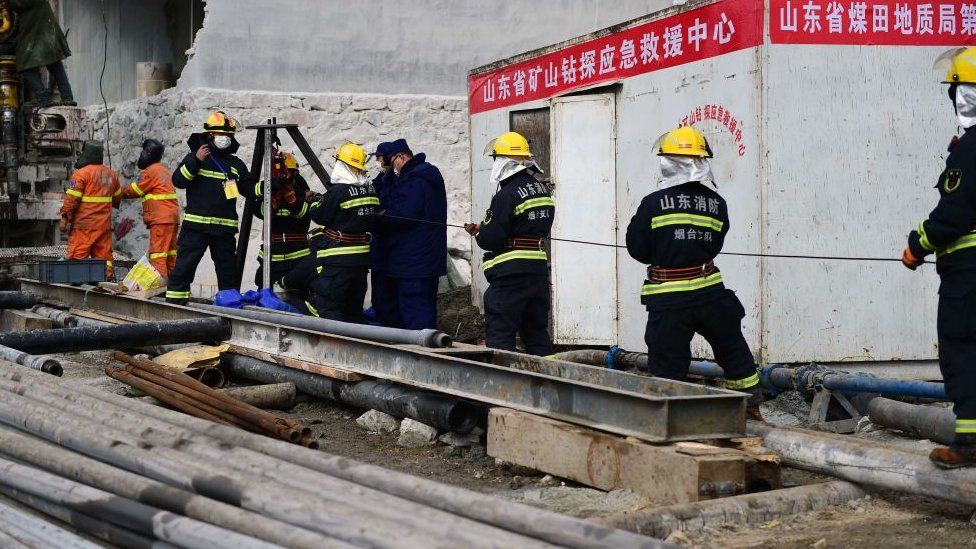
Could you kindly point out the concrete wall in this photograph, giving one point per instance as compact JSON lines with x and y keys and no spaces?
{"x":435,"y":125}
{"x":137,"y":31}
{"x":378,"y":46}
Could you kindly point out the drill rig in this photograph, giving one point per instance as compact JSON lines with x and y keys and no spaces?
{"x":39,"y":145}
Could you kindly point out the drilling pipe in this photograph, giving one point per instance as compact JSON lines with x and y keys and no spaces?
{"x":92,"y":338}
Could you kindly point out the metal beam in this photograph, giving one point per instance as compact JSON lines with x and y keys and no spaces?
{"x":646,"y":408}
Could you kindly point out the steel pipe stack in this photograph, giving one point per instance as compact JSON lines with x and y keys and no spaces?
{"x":120,"y":468}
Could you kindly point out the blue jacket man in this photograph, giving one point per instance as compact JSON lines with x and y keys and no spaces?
{"x":383,"y":291}
{"x":413,"y":254}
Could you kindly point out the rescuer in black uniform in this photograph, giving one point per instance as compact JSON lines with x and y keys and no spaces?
{"x":515,"y":263}
{"x":346,"y":214}
{"x":950,"y":232}
{"x":289,"y":228}
{"x":213,"y":178}
{"x":678,"y":231}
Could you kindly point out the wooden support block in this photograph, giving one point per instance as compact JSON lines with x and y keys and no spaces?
{"x":18,"y":321}
{"x":764,"y":473}
{"x":296,"y":364}
{"x":667,"y":474}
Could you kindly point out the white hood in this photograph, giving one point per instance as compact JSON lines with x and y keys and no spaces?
{"x":676,"y":170}
{"x":966,"y":105}
{"x":341,"y":173}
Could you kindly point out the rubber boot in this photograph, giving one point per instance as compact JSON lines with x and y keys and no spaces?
{"x":961,"y":453}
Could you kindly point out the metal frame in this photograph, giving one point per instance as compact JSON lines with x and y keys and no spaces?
{"x":647,"y":408}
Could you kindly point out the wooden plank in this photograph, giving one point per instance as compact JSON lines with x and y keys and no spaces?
{"x":296,"y":364}
{"x":101,"y":317}
{"x":19,"y":321}
{"x":667,"y":474}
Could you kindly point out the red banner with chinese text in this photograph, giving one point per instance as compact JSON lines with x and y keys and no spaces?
{"x":709,"y":31}
{"x":873,"y":22}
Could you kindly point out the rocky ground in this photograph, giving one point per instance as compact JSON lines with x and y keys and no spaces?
{"x":883,"y":518}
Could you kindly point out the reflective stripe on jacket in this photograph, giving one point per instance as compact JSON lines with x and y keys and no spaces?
{"x":160,"y":203}
{"x":94,"y":191}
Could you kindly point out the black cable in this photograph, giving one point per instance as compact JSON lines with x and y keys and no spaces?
{"x":605,"y":245}
{"x":101,"y":88}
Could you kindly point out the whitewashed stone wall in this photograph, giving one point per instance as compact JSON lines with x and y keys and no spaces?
{"x":435,"y":125}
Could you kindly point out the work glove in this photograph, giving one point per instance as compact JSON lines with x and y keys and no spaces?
{"x":63,"y":225}
{"x":909,"y":260}
{"x":472,"y":228}
{"x":312,"y":196}
{"x":203,"y":152}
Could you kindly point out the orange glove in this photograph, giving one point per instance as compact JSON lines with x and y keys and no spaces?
{"x":909,"y":260}
{"x":472,"y":228}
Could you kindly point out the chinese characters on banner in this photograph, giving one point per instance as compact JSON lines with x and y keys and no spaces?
{"x":723,"y":116}
{"x":873,"y":22}
{"x":709,"y":31}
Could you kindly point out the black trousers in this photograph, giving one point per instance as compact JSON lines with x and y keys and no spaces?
{"x":957,"y":351}
{"x":279,"y":269}
{"x":518,"y":304}
{"x":33,"y":82}
{"x":669,"y":333}
{"x":190,"y":247}
{"x":338,"y":293}
{"x":301,"y":275}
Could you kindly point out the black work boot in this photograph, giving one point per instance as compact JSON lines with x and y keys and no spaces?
{"x":757,"y":397}
{"x":961,"y":453}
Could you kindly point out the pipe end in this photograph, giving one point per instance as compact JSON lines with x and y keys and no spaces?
{"x":52,"y":367}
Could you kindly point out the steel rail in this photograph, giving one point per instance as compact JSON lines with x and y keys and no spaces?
{"x":650,"y":409}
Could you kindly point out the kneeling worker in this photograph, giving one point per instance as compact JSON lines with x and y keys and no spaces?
{"x":88,"y":207}
{"x":515,"y":263}
{"x":160,"y":206}
{"x":346,"y":214}
{"x":213,"y":178}
{"x":678,"y":231}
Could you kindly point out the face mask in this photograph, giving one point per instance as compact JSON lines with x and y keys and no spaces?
{"x":966,"y":105}
{"x":221,"y":141}
{"x":676,"y":170}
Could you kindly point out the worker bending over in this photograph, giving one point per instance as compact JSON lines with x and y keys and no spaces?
{"x":290,"y":221}
{"x":678,"y":231}
{"x":160,"y":205}
{"x":515,"y":263}
{"x":87,"y":208}
{"x":213,"y":178}
{"x":346,"y":215}
{"x":950,"y":232}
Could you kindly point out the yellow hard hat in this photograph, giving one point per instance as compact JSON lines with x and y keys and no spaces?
{"x":510,"y":144}
{"x":684,"y":141}
{"x":962,"y":66}
{"x":219,"y":122}
{"x":290,"y":161}
{"x":353,"y":155}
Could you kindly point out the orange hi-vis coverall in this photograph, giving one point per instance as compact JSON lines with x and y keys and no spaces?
{"x":88,"y":207}
{"x":160,"y":212}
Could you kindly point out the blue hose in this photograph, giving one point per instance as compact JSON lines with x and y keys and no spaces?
{"x":780,"y":377}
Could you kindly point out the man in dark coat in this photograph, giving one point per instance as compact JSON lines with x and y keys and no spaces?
{"x":415,"y":236}
{"x":41,"y":43}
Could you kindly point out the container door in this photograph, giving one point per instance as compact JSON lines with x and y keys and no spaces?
{"x":584,"y":277}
